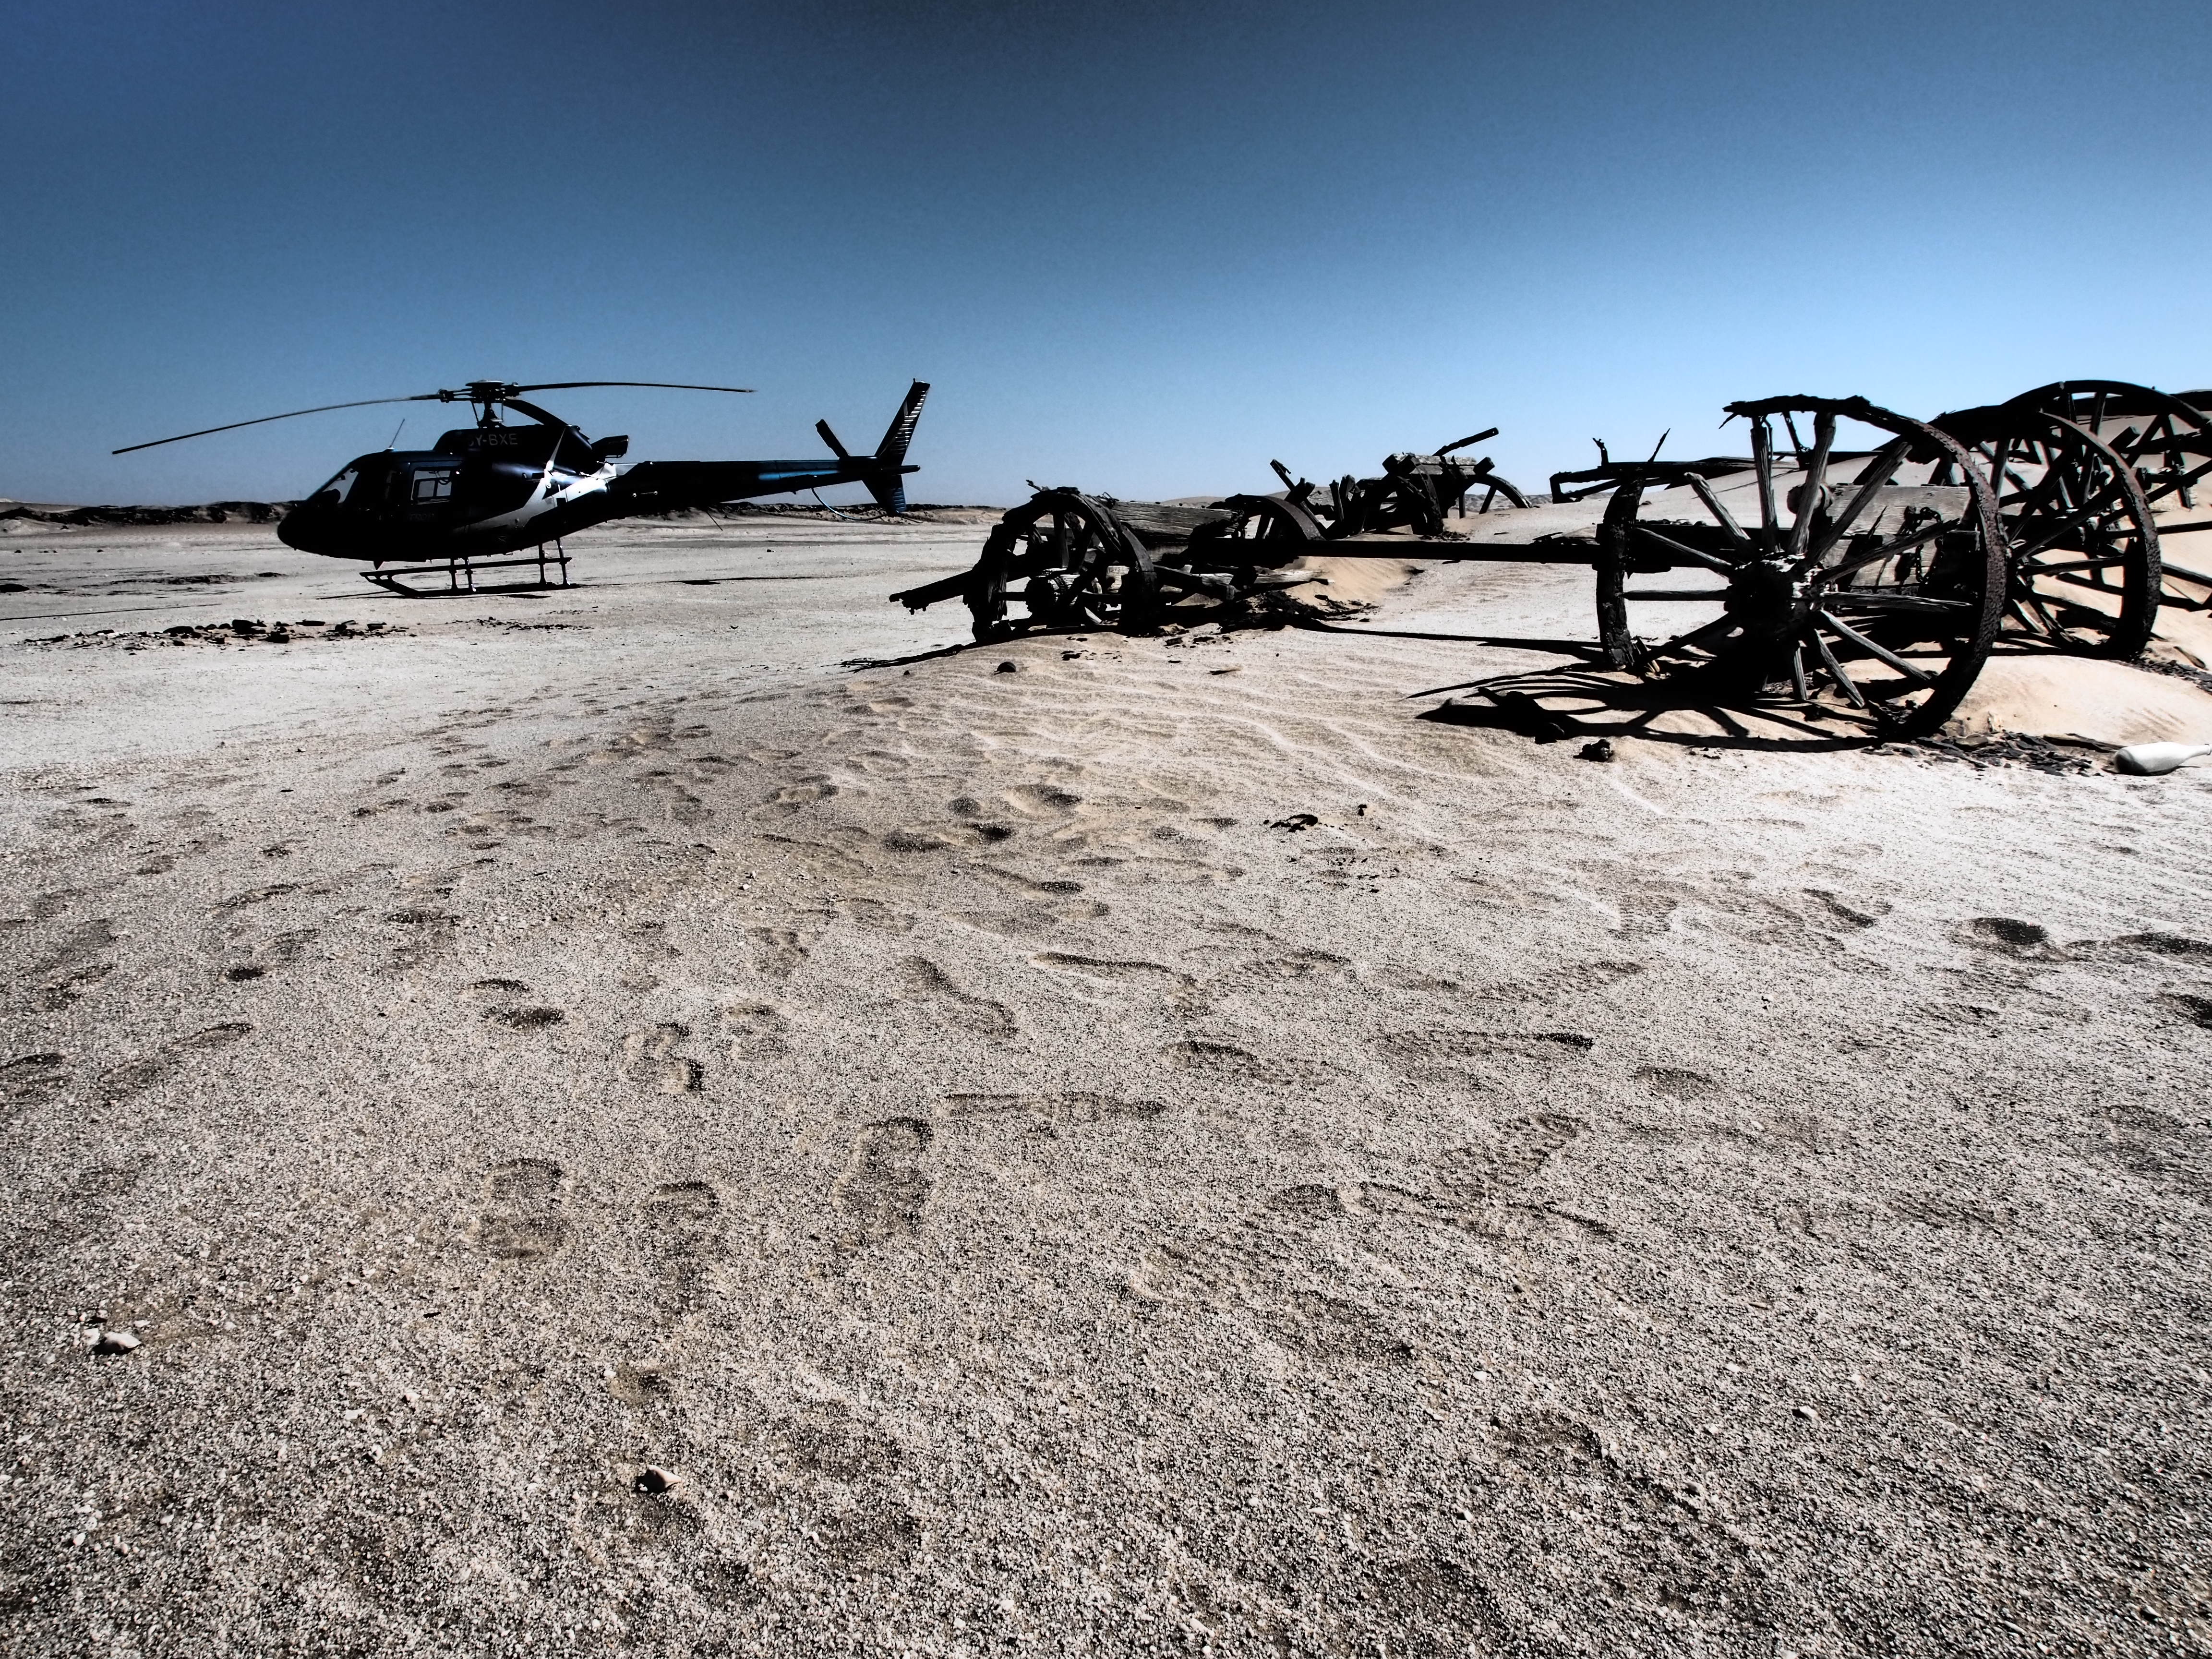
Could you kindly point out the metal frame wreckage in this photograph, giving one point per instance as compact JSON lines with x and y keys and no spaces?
{"x":1849,"y":592}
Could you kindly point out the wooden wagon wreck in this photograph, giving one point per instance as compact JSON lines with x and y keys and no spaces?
{"x":1851,"y":590}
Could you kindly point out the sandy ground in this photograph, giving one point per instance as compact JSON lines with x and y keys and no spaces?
{"x":615,"y":1130}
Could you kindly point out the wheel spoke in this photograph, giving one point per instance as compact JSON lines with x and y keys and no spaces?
{"x":2049,"y":622}
{"x":1835,"y":670}
{"x":2062,"y":526}
{"x":1709,"y":561}
{"x":1722,"y":516}
{"x":1848,"y":632}
{"x":1674,"y":595}
{"x":2034,"y":569}
{"x":1889,"y":549}
{"x":1879,"y":472}
{"x":1762,"y":463}
{"x":1808,"y":493}
{"x":1682,"y":641}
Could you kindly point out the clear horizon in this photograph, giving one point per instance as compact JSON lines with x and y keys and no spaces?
{"x":1145,"y":251}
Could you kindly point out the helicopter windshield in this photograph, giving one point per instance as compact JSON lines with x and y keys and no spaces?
{"x":335,"y":492}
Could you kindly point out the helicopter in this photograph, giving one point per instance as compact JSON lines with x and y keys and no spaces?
{"x":493,"y":488}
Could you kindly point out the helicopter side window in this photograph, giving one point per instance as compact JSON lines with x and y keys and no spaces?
{"x":433,"y":486}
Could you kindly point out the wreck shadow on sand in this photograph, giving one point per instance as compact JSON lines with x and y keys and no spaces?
{"x":1551,"y":705}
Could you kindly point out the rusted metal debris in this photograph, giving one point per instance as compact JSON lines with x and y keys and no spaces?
{"x":1072,"y":559}
{"x":1862,"y":587}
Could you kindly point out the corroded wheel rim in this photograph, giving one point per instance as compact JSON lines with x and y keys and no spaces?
{"x":2081,"y":546}
{"x":1864,"y":604}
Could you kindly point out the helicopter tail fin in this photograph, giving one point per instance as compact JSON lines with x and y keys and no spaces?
{"x":889,"y":485}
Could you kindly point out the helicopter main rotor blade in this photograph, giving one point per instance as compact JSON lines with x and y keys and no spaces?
{"x":417,"y":397}
{"x":666,"y":386}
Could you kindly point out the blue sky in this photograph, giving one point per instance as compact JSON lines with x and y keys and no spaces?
{"x":1142,"y":248}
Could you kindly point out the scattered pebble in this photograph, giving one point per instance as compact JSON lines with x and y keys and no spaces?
{"x":116,"y":1340}
{"x":654,"y":1481}
{"x":1010,"y":668}
{"x":1599,"y":748}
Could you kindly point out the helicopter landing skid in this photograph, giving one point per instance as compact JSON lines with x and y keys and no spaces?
{"x":460,"y":574}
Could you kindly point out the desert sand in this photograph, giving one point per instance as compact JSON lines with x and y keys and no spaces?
{"x":683,"y":1116}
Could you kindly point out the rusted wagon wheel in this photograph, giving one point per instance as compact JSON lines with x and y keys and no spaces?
{"x":2082,"y":550}
{"x":1242,"y":551}
{"x":2167,"y":442}
{"x":1870,"y":603}
{"x":1070,"y":561}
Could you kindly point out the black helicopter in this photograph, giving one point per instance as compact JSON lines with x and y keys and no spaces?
{"x":493,"y":488}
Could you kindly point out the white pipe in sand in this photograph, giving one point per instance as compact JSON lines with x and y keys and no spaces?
{"x":2149,"y":759}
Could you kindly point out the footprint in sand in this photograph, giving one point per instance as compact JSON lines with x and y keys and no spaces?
{"x":521,"y":1220}
{"x":69,"y":970}
{"x":793,"y":797}
{"x":138,"y":1075}
{"x":273,"y":951}
{"x":1671,"y":1566}
{"x":1230,"y":1063}
{"x":1266,"y":1263}
{"x":28,"y":1078}
{"x":254,"y":895}
{"x":1863,"y":914}
{"x":1126,"y":972}
{"x":1448,"y":1054}
{"x":651,"y":1057}
{"x":759,"y":1031}
{"x":1296,"y":967}
{"x":683,"y":806}
{"x":1679,"y":1083}
{"x":1574,"y":979}
{"x":883,"y":1191}
{"x":2007,"y":936}
{"x":875,"y":915}
{"x":523,"y":1019}
{"x":909,"y":839}
{"x":1516,"y":1152}
{"x":825,"y":1437}
{"x":430,"y":935}
{"x":1053,"y":1110}
{"x":2163,"y":945}
{"x":925,"y":982}
{"x":682,"y":1233}
{"x":777,"y":951}
{"x":2197,"y":1010}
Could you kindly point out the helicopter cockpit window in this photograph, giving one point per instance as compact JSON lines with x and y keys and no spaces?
{"x":436,"y":486}
{"x":336,"y":491}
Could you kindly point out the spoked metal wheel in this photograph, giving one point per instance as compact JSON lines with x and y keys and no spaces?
{"x":1070,"y":561}
{"x":2082,"y":550}
{"x":1244,"y":553}
{"x":2167,"y":442}
{"x":1867,"y":604}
